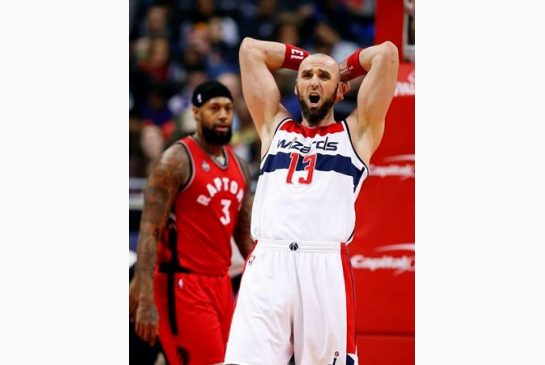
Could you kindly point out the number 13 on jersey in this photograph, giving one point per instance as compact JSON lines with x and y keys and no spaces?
{"x":309,"y":161}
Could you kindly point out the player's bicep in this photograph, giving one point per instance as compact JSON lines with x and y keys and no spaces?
{"x":162,"y":185}
{"x":259,"y":88}
{"x":378,"y":86}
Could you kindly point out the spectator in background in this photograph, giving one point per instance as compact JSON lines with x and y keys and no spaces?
{"x":232,"y":81}
{"x":146,"y":143}
{"x":200,"y":18}
{"x":155,"y":110}
{"x":362,"y":27}
{"x":245,"y":141}
{"x":352,"y":20}
{"x":223,"y":54}
{"x":329,"y":42}
{"x":262,"y":23}
{"x":156,"y":59}
{"x":287,"y":29}
{"x":137,"y":159}
{"x":151,"y":21}
{"x":157,"y":23}
{"x":139,"y":86}
{"x":152,"y":143}
{"x":191,"y":60}
{"x":180,"y":103}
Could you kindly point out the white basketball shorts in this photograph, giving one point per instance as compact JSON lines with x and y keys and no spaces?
{"x":296,"y":298}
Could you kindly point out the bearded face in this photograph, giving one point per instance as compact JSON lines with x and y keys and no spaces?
{"x":314,"y":111}
{"x":215,"y":118}
{"x":217,"y":137}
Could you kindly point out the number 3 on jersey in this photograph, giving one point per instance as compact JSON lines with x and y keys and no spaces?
{"x":310,"y":162}
{"x":226,"y":218}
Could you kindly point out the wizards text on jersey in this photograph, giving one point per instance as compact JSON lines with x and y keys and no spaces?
{"x":325,"y":145}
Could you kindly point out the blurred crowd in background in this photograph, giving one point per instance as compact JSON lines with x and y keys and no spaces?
{"x":177,"y":44}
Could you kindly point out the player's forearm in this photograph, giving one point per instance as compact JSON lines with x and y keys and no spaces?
{"x":157,"y":202}
{"x":256,"y":51}
{"x":241,"y":233}
{"x":245,"y":245}
{"x":362,"y":61}
{"x":147,"y":255}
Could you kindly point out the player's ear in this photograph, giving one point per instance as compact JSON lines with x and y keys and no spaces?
{"x":196,"y":113}
{"x":345,"y":87}
{"x":342,"y":90}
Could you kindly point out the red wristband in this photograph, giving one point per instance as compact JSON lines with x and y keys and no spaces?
{"x":293,"y":57}
{"x":354,"y":66}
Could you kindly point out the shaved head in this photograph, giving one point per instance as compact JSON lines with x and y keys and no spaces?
{"x":323,"y":61}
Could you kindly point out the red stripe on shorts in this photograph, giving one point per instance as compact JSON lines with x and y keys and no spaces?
{"x":350,"y":308}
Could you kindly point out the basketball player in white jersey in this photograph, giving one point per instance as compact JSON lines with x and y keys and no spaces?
{"x":296,"y":294}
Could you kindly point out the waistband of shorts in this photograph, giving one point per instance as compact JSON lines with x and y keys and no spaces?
{"x":169,"y":268}
{"x":301,"y":246}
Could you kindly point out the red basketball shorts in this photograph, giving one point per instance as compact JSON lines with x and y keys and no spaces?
{"x":195,"y":313}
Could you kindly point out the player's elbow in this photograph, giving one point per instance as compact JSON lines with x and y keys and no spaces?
{"x":389,"y":51}
{"x":247,"y":46}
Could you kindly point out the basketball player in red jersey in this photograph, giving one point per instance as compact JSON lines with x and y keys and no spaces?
{"x":196,"y":199}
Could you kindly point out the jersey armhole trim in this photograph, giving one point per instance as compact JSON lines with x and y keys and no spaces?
{"x":350,"y":238}
{"x":345,"y":124}
{"x":282,"y":122}
{"x":185,"y":185}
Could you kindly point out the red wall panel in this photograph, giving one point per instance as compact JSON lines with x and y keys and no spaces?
{"x":383,"y":251}
{"x":389,"y":22}
{"x":385,"y":350}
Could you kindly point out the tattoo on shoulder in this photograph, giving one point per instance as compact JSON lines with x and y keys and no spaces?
{"x":163,"y":182}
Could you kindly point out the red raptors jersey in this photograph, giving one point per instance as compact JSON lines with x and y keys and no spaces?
{"x":206,"y":213}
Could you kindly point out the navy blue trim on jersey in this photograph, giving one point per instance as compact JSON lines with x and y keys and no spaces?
{"x":345,"y":123}
{"x":274,"y":134}
{"x":337,"y":163}
{"x":351,"y":236}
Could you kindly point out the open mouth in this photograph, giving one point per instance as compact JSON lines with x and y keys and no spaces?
{"x":314,"y":98}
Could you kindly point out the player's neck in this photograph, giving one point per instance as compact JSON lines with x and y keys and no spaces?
{"x":211,"y":149}
{"x":328,"y":119}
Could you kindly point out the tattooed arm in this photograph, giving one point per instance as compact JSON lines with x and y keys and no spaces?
{"x":241,"y":233}
{"x":162,"y":185}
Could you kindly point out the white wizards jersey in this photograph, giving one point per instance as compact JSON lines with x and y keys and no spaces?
{"x":308,"y":184}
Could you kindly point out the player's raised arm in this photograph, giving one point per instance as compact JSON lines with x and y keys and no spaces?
{"x":162,"y":185}
{"x":258,"y":59}
{"x":380,"y":65}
